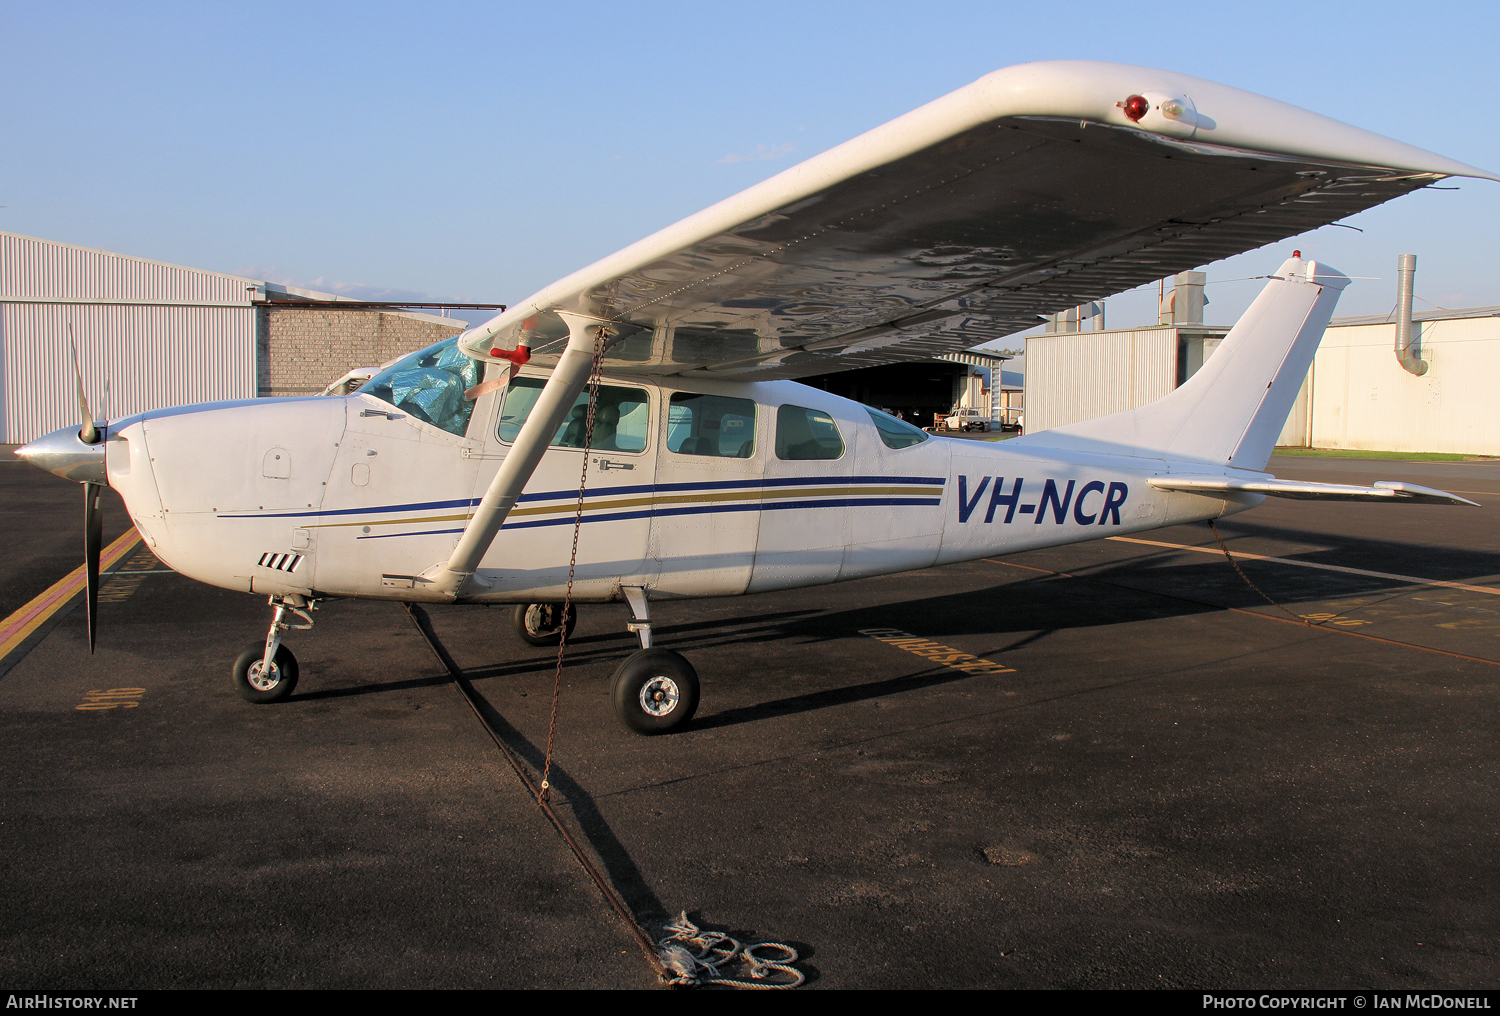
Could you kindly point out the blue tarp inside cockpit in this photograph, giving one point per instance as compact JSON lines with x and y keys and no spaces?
{"x":430,"y":385}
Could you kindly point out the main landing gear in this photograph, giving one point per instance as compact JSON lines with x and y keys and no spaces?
{"x":655,"y":691}
{"x":541,"y":624}
{"x":267,"y":671}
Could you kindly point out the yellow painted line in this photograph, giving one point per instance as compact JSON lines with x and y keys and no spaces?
{"x":18,"y":627}
{"x":936,"y":652}
{"x":652,"y":500}
{"x":110,"y":698}
{"x":1411,"y":579}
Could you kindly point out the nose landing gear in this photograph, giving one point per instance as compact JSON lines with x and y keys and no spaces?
{"x":655,"y":691}
{"x":267,"y":671}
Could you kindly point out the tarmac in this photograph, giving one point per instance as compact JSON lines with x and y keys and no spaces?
{"x":1177,"y":783}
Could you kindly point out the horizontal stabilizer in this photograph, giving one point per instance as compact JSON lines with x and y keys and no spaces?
{"x":1384,"y":490}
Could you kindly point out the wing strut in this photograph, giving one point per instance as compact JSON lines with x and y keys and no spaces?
{"x":457,"y":577}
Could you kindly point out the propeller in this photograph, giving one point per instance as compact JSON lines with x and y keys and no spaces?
{"x":93,"y":519}
{"x":93,"y":537}
{"x":88,"y":434}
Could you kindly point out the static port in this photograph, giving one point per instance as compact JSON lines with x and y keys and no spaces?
{"x":1136,"y":107}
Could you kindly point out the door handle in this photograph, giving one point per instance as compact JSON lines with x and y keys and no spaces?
{"x":381,"y":412}
{"x":605,"y":465}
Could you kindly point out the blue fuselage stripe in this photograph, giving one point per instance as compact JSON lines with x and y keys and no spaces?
{"x":767,"y":506}
{"x":649,"y":488}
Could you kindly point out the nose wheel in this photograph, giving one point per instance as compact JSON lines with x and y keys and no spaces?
{"x":267,"y":671}
{"x":655,"y":691}
{"x":255,"y":684}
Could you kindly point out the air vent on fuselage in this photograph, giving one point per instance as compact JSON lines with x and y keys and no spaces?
{"x":280,"y":562}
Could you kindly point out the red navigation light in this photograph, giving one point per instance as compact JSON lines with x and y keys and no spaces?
{"x":1297,"y":254}
{"x":1136,"y":107}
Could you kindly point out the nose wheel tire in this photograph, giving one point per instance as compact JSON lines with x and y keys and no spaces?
{"x":540,"y":624}
{"x":255,"y":686}
{"x":655,"y":691}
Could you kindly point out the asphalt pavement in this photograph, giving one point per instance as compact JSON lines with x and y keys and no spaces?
{"x":1176,"y":784}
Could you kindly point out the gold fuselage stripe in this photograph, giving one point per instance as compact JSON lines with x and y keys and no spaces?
{"x":655,"y":499}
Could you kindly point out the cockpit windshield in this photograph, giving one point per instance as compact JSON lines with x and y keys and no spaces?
{"x":430,"y":384}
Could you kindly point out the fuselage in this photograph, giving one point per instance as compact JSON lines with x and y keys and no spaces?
{"x":694,"y":489}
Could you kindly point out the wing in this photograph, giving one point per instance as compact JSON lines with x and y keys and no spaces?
{"x":1387,"y":491}
{"x":1024,"y":193}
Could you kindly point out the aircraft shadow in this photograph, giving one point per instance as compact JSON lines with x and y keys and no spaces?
{"x":368,"y":689}
{"x":619,"y":867}
{"x":617,"y":645}
{"x":1433,"y":561}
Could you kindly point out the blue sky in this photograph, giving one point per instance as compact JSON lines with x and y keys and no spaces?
{"x":476,"y":152}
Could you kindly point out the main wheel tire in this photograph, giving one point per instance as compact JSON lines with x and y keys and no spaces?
{"x":537,"y":623}
{"x":252,"y":686}
{"x":655,"y":691}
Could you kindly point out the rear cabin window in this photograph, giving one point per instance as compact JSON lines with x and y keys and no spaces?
{"x":896,"y":433}
{"x":711,"y":425}
{"x":621,"y":420}
{"x":429,"y":384}
{"x":807,"y":434}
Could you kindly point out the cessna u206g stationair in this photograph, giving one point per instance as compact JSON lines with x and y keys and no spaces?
{"x":453,"y":475}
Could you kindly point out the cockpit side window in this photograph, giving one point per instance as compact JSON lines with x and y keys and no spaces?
{"x":803,"y":433}
{"x":711,"y":425}
{"x":896,"y":433}
{"x":430,"y":384}
{"x":621,"y":418}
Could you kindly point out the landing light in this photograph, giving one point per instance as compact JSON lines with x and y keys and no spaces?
{"x":1136,"y":107}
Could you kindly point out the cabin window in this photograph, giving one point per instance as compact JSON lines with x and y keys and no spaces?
{"x":807,"y":434}
{"x":430,"y":384}
{"x":896,"y":433}
{"x":711,"y":425}
{"x":621,"y":419}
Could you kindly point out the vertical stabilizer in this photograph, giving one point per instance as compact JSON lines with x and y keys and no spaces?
{"x":1230,"y":412}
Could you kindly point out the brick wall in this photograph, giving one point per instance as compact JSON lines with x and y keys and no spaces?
{"x":299,"y":351}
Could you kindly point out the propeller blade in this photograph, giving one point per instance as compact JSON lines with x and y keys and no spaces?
{"x":89,"y":434}
{"x":93,"y":538}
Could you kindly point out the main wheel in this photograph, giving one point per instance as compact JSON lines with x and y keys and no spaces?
{"x":539,"y":624}
{"x":655,"y":691}
{"x":255,"y":686}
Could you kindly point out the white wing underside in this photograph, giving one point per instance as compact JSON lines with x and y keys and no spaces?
{"x":1386,"y":491}
{"x":1025,"y":193}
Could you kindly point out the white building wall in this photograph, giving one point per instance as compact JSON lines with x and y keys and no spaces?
{"x":1362,"y":399}
{"x":162,"y":334}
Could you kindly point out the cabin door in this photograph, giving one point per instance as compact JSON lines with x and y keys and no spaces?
{"x":532,"y":552}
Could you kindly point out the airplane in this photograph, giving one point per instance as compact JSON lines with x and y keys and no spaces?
{"x":490,"y":468}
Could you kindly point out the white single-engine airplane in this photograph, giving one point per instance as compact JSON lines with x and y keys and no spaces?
{"x":453,"y":475}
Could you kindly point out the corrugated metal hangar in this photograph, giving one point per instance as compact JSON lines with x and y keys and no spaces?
{"x":166,"y":335}
{"x":1375,"y":385}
